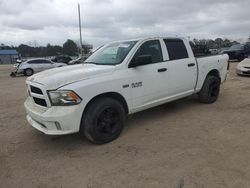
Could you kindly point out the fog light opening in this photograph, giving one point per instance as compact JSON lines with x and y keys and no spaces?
{"x":58,"y":126}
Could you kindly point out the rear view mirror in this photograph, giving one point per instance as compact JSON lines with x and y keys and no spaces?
{"x":141,"y":60}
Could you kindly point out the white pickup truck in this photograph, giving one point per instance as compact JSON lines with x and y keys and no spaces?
{"x":120,"y":78}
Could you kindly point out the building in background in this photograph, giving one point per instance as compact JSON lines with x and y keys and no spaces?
{"x":8,"y":56}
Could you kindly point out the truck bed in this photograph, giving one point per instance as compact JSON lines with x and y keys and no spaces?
{"x":212,"y":62}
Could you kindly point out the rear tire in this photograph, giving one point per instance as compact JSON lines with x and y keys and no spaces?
{"x":28,"y":72}
{"x":210,"y":90}
{"x":103,"y":120}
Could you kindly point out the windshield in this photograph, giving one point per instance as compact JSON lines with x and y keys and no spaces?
{"x":111,"y":54}
{"x":236,"y":47}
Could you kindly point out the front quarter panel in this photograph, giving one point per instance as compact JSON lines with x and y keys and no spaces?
{"x":23,"y":66}
{"x":90,"y":88}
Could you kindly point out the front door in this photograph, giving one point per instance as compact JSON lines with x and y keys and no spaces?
{"x":149,"y":82}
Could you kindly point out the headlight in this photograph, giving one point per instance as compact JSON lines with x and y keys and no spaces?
{"x":62,"y":98}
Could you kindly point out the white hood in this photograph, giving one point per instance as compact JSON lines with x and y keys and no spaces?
{"x":58,"y":77}
{"x":245,"y":62}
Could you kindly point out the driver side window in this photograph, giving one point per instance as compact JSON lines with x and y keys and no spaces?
{"x":152,"y":48}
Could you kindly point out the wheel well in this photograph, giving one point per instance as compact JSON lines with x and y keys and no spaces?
{"x":214,"y":72}
{"x":112,"y":95}
{"x":30,"y":69}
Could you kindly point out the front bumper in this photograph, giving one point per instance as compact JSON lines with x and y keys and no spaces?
{"x":56,"y":120}
{"x":19,"y":71}
{"x":243,"y":71}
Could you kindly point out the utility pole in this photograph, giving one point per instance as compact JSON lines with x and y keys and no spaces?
{"x":80,"y":28}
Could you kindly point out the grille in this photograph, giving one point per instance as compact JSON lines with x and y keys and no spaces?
{"x":247,"y":67}
{"x":41,"y":102}
{"x":36,"y":90}
{"x":244,"y":72}
{"x":38,"y":95}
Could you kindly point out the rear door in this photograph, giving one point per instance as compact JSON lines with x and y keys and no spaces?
{"x":36,"y":65}
{"x":182,"y":68}
{"x":46,"y":64}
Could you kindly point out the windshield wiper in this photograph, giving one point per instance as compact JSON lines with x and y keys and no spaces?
{"x":89,"y":62}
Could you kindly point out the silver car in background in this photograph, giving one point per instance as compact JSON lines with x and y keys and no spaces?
{"x":32,"y":66}
{"x":243,"y":68}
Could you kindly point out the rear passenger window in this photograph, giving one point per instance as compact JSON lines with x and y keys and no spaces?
{"x":45,"y":61}
{"x":176,"y":49}
{"x":153,"y":48}
{"x":38,"y":61}
{"x":34,"y":62}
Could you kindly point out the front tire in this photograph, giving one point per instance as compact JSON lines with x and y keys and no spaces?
{"x":28,"y":72}
{"x":103,"y":120}
{"x":210,"y":90}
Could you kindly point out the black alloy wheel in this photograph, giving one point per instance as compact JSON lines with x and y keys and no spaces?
{"x":108,"y":122}
{"x":103,"y":120}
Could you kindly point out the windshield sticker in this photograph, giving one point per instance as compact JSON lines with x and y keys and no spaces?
{"x":123,"y":45}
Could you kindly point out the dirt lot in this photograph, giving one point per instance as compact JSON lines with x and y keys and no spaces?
{"x":182,"y":144}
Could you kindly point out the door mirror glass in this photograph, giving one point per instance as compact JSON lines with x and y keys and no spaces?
{"x":141,"y":60}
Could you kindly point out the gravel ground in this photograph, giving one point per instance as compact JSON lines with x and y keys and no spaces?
{"x":182,"y":144}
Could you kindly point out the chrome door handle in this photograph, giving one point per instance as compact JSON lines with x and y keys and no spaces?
{"x":191,"y":64}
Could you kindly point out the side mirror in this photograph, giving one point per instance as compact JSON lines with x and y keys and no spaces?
{"x":141,"y":60}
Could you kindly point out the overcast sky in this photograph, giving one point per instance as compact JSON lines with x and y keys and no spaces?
{"x":54,"y":21}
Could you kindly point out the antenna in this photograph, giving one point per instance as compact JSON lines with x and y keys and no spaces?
{"x":80,"y":28}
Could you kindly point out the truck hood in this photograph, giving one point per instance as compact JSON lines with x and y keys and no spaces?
{"x":61,"y":76}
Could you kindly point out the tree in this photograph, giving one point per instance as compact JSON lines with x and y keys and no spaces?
{"x":25,"y":50}
{"x":196,"y":41}
{"x":70,"y":48}
{"x":219,"y":42}
{"x":6,"y":47}
{"x":87,"y":48}
{"x":227,"y":43}
{"x":210,"y":44}
{"x":191,"y":44}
